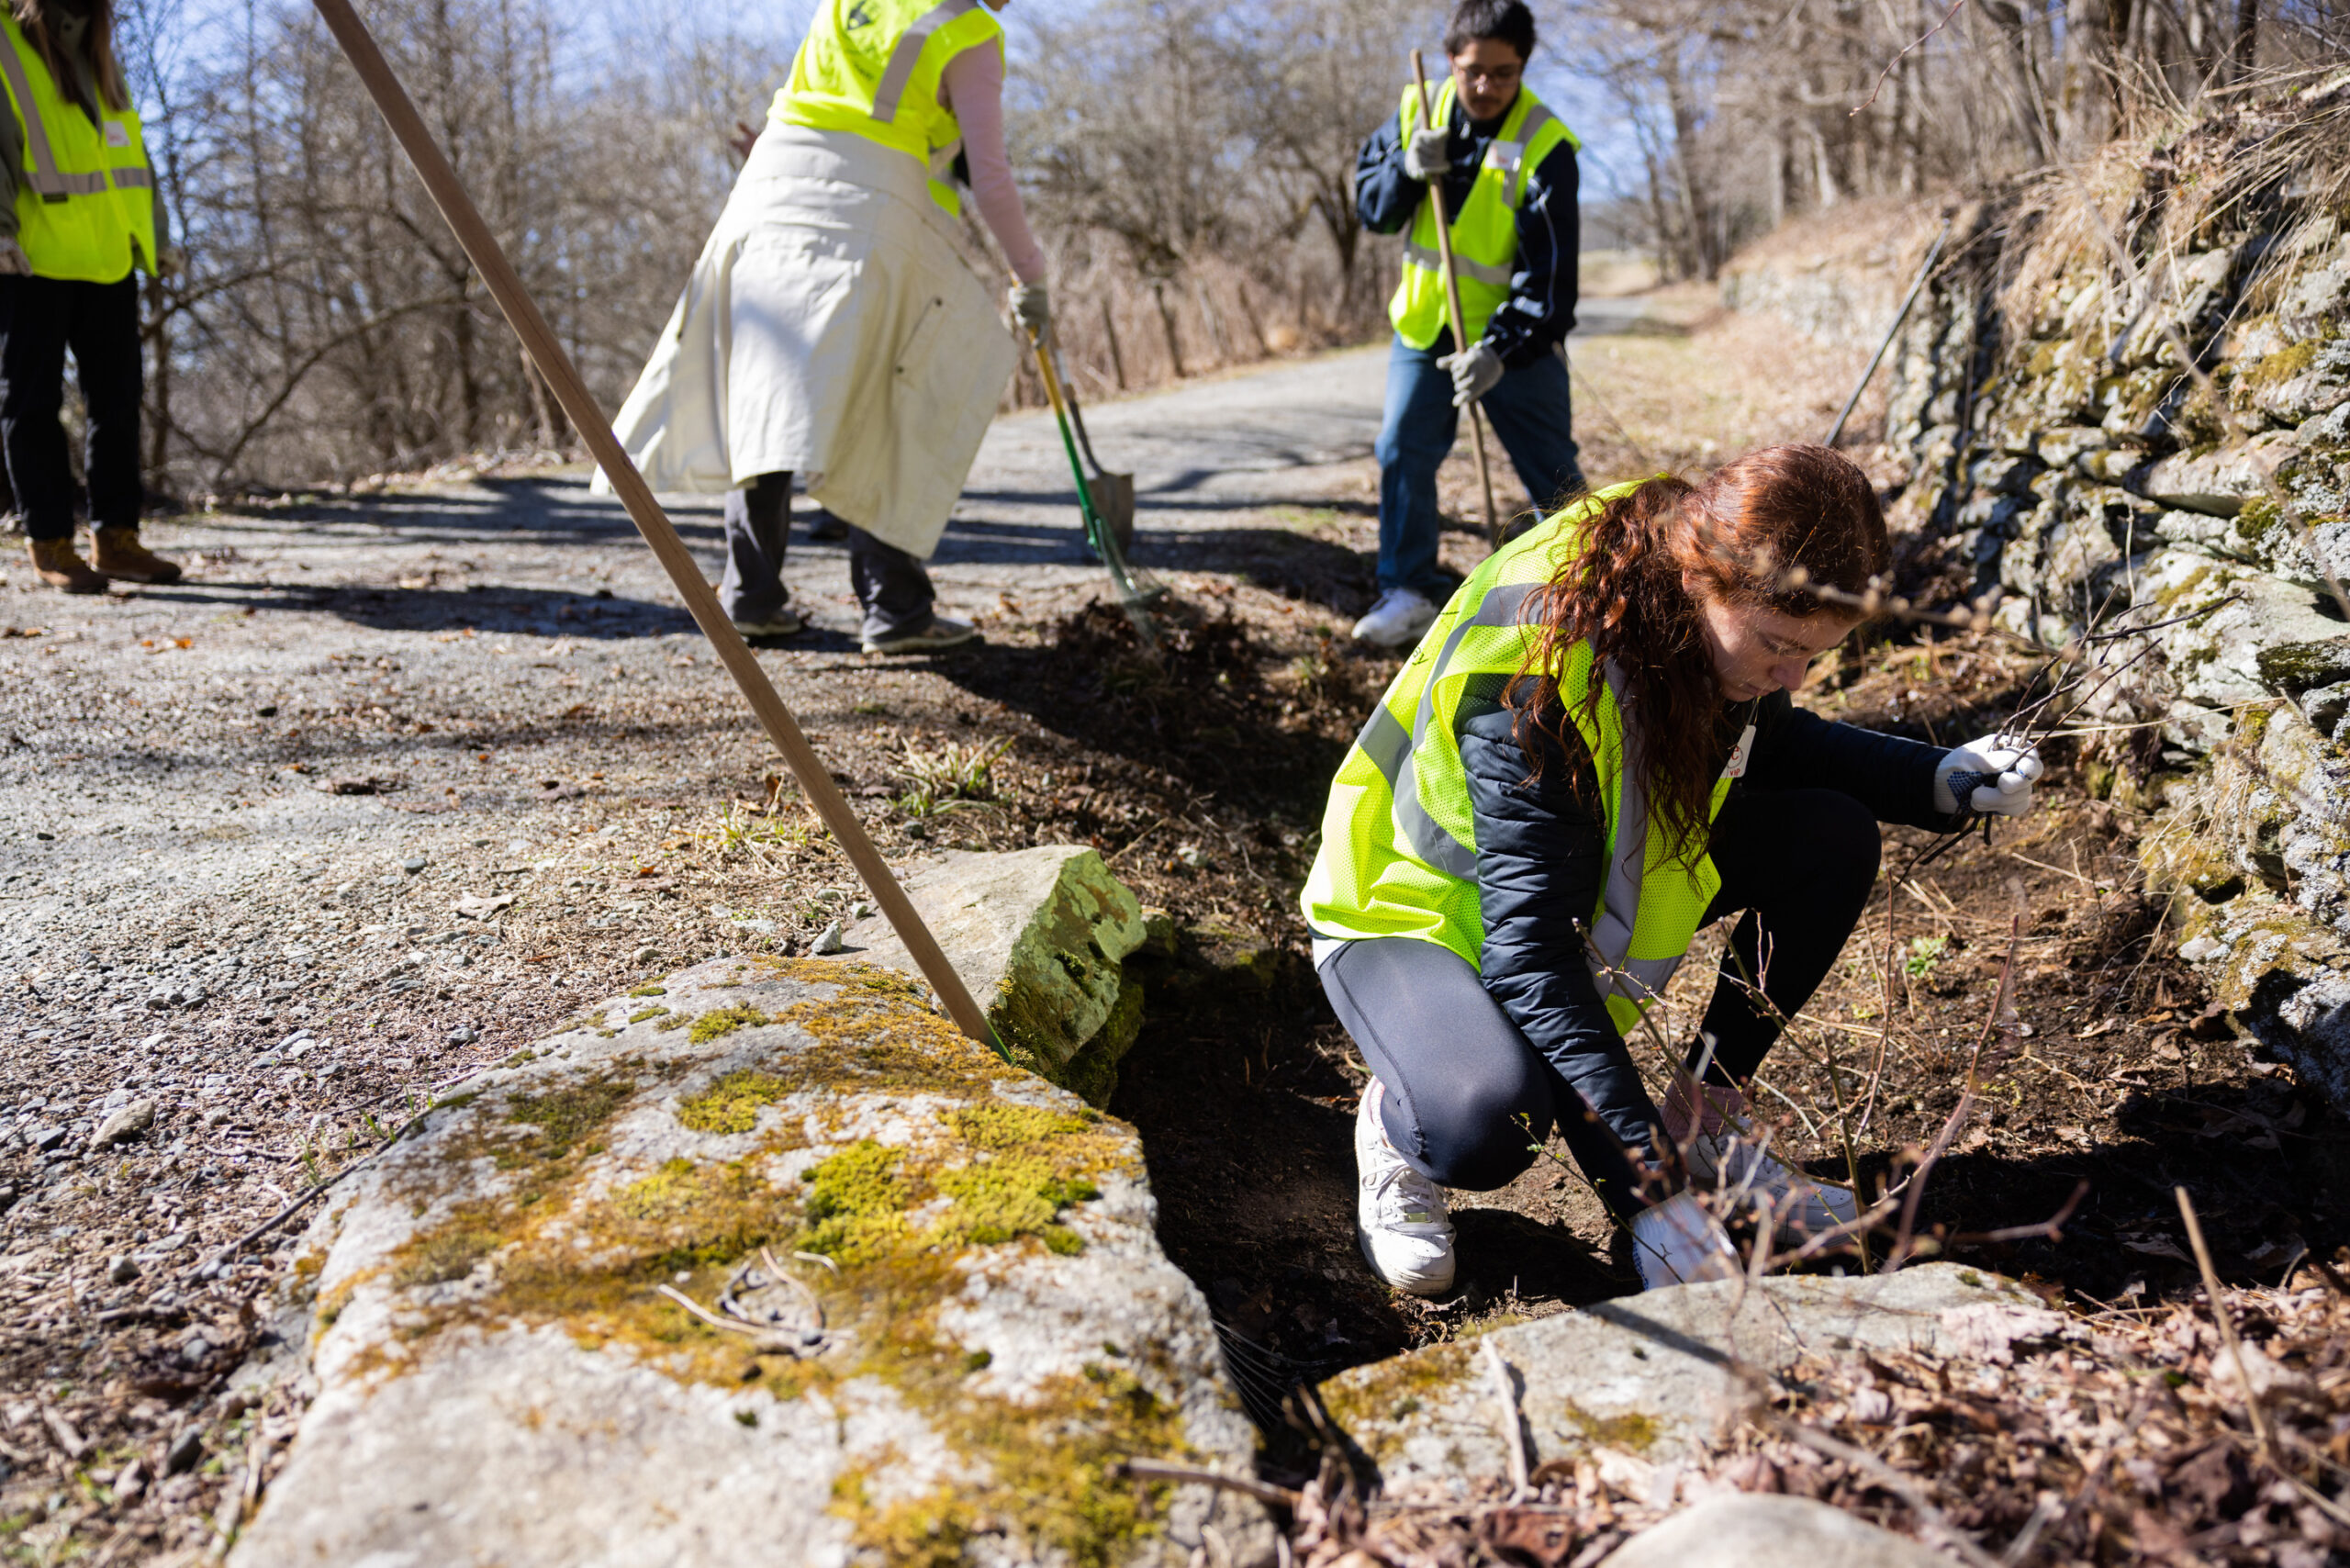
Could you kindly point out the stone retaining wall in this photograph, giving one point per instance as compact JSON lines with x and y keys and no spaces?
{"x":2061,"y":460}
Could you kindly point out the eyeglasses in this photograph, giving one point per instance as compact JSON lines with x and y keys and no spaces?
{"x":1491,"y":75}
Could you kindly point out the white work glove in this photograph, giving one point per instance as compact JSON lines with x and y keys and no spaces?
{"x":2010,"y":766}
{"x":1679,"y":1243}
{"x":1428,"y":152}
{"x":1474,"y":374}
{"x":171,"y":261}
{"x":14,"y":262}
{"x":1029,"y":308}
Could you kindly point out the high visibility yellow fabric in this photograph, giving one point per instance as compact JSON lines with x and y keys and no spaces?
{"x":1399,"y":842}
{"x":873,"y":66}
{"x":1484,"y":232}
{"x":86,"y":196}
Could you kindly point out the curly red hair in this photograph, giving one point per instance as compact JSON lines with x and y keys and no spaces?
{"x":1771,"y":528}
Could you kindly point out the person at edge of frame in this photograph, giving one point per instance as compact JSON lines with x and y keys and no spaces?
{"x":80,"y":219}
{"x":1592,"y":753}
{"x":1507,"y":166}
{"x":831,"y":330}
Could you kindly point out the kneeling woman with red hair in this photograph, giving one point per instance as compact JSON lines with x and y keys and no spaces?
{"x":1590,"y":756}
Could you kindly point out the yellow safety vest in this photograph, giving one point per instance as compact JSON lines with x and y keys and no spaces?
{"x":86,"y":196}
{"x":872,"y":67}
{"x":1484,"y":232}
{"x":1399,"y":843}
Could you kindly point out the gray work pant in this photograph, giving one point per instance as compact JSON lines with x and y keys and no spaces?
{"x":891,"y":586}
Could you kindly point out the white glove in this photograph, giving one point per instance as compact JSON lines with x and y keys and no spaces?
{"x":2009,"y":765}
{"x":1474,"y":374}
{"x":1029,"y":306}
{"x":14,"y":262}
{"x":1679,"y":1243}
{"x":171,"y":261}
{"x":1428,"y":152}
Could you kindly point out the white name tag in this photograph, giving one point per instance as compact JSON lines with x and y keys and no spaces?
{"x":1739,"y":753}
{"x":117,"y":134}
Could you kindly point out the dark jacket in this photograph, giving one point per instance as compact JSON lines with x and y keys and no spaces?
{"x":1541,"y":865}
{"x":1540,"y":310}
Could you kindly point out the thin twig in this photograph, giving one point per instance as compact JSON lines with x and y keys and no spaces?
{"x":2220,"y":1315}
{"x":1505,"y":1412}
{"x":1883,"y":1474}
{"x":1906,"y":49}
{"x":1161,"y":1469}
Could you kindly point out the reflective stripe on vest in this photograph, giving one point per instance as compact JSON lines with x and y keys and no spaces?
{"x":1398,"y":845}
{"x":85,"y":194}
{"x":873,"y":67}
{"x":1483,"y":232}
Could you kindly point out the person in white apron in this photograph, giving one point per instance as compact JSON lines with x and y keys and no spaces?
{"x":832,"y":331}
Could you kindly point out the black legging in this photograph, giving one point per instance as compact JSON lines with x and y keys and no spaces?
{"x":1464,"y":1086}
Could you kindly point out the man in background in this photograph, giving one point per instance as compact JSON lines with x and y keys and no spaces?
{"x":1508,"y":168}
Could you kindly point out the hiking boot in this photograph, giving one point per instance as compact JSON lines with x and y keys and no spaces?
{"x":782,"y":623}
{"x":825,"y":529}
{"x":1400,"y":1221}
{"x":60,"y":567}
{"x":1397,"y":619}
{"x":926,"y":636}
{"x":119,"y":554}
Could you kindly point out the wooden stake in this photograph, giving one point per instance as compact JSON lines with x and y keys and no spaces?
{"x":1452,"y":305}
{"x":562,"y":378}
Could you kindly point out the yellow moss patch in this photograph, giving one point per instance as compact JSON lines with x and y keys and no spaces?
{"x":640,"y":1017}
{"x":731,"y":1105}
{"x":856,"y":1203}
{"x":1632,"y":1432}
{"x":1368,"y":1400}
{"x":725,"y":1021}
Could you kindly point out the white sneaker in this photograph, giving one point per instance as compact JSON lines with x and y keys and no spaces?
{"x":1399,"y":1215}
{"x":1797,"y":1204}
{"x":782,"y":623}
{"x":936,"y":632}
{"x":1398,"y":618}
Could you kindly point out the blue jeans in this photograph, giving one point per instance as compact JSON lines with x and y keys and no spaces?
{"x":1531,"y":414}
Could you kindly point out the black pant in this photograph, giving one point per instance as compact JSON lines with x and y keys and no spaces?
{"x":40,"y":318}
{"x":1468,"y":1098}
{"x":890,"y":583}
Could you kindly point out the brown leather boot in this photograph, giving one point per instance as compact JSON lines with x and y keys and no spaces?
{"x":119,"y":554}
{"x":60,"y":567}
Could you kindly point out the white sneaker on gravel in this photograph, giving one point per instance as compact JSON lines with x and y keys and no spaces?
{"x":938,"y":631}
{"x":1398,"y":618}
{"x":1797,"y":1204}
{"x":782,"y":623}
{"x":1400,"y":1221}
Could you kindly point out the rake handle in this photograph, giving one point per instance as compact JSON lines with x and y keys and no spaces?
{"x":547,"y":353}
{"x":1453,"y":308}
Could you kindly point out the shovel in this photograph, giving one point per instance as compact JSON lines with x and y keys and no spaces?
{"x":1136,"y":589}
{"x":1113,"y":493}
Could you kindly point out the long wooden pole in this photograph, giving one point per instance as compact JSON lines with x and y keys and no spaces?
{"x":547,"y":353}
{"x":1452,"y":304}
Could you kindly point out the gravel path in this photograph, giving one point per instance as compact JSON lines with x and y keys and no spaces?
{"x":394,"y":780}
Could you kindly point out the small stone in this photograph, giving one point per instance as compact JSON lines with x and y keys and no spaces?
{"x":47,"y":1139}
{"x":123,"y":1270}
{"x":266,"y":711}
{"x":1759,"y":1530}
{"x":829,"y":941}
{"x":647,"y":955}
{"x":413,"y":865}
{"x":463,"y":1034}
{"x":186,"y":1450}
{"x":44,"y":835}
{"x":128,"y":1123}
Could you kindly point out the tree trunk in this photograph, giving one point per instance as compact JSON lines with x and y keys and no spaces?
{"x":1166,"y":325}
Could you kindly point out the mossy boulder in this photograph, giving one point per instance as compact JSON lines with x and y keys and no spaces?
{"x":956,"y":1319}
{"x":1040,"y":937}
{"x":1646,"y":1379}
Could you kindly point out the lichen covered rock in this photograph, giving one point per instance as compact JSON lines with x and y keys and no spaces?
{"x":1638,"y":1381}
{"x":962,"y":1319}
{"x":1040,"y":937}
